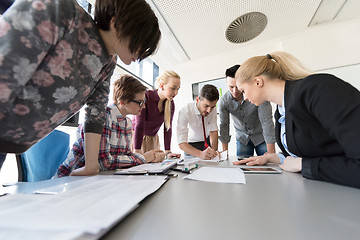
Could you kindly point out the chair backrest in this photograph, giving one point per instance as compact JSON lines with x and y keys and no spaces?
{"x":43,"y":159}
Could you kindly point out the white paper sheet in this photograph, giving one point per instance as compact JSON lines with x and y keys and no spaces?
{"x":96,"y":205}
{"x":220,"y":175}
{"x":16,"y":234}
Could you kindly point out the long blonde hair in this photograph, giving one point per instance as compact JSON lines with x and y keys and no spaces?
{"x":281,"y":65}
{"x":164,"y":78}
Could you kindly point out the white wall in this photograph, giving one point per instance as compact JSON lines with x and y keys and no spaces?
{"x":320,"y":47}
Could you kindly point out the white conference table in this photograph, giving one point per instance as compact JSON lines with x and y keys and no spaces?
{"x":268,"y":206}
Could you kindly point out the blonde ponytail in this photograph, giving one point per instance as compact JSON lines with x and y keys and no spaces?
{"x":291,"y":67}
{"x":167,"y":114}
{"x":279,"y":65}
{"x":164,"y":78}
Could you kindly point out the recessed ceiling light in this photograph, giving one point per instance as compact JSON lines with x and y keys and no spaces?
{"x":327,"y":11}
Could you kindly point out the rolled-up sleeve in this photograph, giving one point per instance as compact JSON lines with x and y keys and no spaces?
{"x":265,"y":117}
{"x":182,"y":126}
{"x":213,"y":121}
{"x":224,"y":122}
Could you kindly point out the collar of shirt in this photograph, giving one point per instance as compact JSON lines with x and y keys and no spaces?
{"x":117,"y":112}
{"x":235,"y":100}
{"x":282,"y":112}
{"x":196,"y":110}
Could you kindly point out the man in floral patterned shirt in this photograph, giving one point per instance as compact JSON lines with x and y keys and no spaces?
{"x":54,"y":59}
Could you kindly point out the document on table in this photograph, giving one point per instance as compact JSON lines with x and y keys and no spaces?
{"x":92,"y":207}
{"x":220,"y":175}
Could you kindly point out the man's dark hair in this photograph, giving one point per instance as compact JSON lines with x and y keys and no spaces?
{"x":209,"y":92}
{"x":230,"y":72}
{"x":134,"y":20}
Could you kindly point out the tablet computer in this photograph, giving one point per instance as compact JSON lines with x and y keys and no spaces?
{"x":260,"y":170}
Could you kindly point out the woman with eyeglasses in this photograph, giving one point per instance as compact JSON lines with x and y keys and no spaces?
{"x":115,"y":144}
{"x":159,"y":109}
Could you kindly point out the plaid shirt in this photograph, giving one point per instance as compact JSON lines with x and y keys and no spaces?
{"x":115,"y":146}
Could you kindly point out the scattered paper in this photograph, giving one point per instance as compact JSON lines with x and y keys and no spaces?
{"x":220,"y":175}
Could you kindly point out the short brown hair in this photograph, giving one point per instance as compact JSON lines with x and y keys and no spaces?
{"x":134,"y":19}
{"x":126,"y":87}
{"x":209,"y":92}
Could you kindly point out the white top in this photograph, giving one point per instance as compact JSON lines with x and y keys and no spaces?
{"x":189,"y":125}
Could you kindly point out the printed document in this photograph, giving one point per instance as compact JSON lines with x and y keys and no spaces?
{"x":220,"y":175}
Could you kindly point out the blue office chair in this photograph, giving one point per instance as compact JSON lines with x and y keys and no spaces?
{"x":43,"y":159}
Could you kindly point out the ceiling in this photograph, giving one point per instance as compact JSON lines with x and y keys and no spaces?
{"x":199,"y":25}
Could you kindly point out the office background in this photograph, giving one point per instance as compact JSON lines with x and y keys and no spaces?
{"x":194,"y":44}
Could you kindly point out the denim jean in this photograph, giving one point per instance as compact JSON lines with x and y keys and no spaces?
{"x":248,"y":150}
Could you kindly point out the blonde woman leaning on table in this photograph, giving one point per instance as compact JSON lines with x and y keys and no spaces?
{"x":317,"y":118}
{"x":159,"y":109}
{"x":115,"y":144}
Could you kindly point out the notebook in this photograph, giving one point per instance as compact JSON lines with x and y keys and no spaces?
{"x":148,"y":168}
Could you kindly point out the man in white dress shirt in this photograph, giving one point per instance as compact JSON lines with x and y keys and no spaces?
{"x":197,"y":130}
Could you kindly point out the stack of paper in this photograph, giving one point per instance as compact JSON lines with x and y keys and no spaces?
{"x":160,"y":167}
{"x":95,"y":205}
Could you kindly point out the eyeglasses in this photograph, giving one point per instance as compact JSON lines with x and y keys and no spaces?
{"x":139,"y":103}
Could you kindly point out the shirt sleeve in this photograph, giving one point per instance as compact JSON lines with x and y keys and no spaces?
{"x":213,"y":121}
{"x":336,"y":105}
{"x":281,"y":157}
{"x":266,"y":119}
{"x":95,"y":109}
{"x":25,"y":38}
{"x":182,"y":125}
{"x":168,"y":133}
{"x":224,"y":122}
{"x":115,"y":141}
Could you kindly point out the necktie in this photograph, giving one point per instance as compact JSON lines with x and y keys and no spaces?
{"x":206,"y":145}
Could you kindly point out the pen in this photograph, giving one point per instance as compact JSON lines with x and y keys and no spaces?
{"x":181,"y":161}
{"x":180,"y":170}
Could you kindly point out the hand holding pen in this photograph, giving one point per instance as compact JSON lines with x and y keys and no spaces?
{"x":208,"y":153}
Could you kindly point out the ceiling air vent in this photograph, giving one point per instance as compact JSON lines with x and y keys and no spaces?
{"x":246,"y":27}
